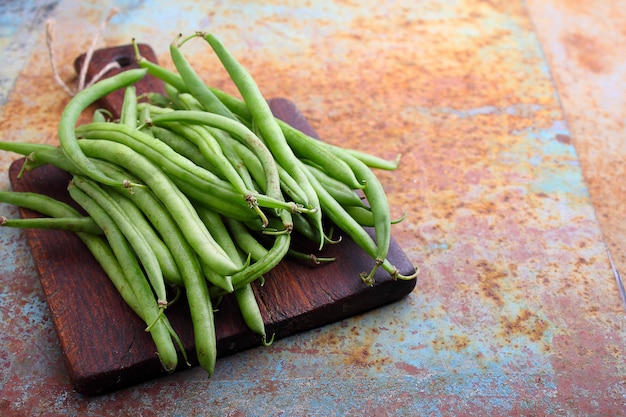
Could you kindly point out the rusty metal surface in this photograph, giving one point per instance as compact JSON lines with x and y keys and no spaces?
{"x":585,"y":46}
{"x":516,"y":311}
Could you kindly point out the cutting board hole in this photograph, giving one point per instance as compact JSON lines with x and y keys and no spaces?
{"x":123,"y":61}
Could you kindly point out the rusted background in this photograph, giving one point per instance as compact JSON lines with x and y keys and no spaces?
{"x":498,"y":109}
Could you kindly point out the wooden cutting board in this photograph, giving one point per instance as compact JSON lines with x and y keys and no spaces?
{"x":104,"y":343}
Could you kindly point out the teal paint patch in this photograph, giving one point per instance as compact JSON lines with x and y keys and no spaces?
{"x":21,"y":22}
{"x":554,"y":164}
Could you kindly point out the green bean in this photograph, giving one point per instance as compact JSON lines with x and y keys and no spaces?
{"x":223,"y":282}
{"x":373,"y":161}
{"x":106,"y":258}
{"x":215,"y":199}
{"x":40,"y":203}
{"x":173,"y":94}
{"x":150,"y":312}
{"x":237,"y":131}
{"x":97,"y":246}
{"x":157,"y":99}
{"x":136,"y":239}
{"x":303,"y":227}
{"x":70,"y":224}
{"x":189,"y":265}
{"x":247,"y":302}
{"x":274,"y":255}
{"x":163,"y":254}
{"x":53,"y":156}
{"x":252,"y":164}
{"x":165,"y":75}
{"x":234,"y":105}
{"x":72,"y":111}
{"x":182,"y":146}
{"x":153,"y":109}
{"x":24,"y":148}
{"x":339,"y":190}
{"x":215,"y":224}
{"x":144,"y":114}
{"x":363,"y":216}
{"x":245,"y":240}
{"x":128,"y":115}
{"x":201,"y":309}
{"x":176,"y":164}
{"x":196,"y":86}
{"x":266,"y":123}
{"x":157,"y":151}
{"x":175,"y":201}
{"x":379,"y":205}
{"x":100,"y":115}
{"x":290,"y":186}
{"x":340,"y":217}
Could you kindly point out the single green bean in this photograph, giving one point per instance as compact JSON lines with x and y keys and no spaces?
{"x":203,"y":321}
{"x":24,"y":148}
{"x":157,"y":99}
{"x":70,"y":224}
{"x":75,"y":107}
{"x":249,"y":307}
{"x":101,"y":115}
{"x":128,"y":115}
{"x":40,"y":203}
{"x":373,"y":161}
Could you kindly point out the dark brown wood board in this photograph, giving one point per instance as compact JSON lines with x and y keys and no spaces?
{"x":104,"y":343}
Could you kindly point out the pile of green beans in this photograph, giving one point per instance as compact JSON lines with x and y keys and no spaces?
{"x":198,"y":191}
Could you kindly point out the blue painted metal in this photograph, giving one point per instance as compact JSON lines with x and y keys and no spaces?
{"x":515,"y":312}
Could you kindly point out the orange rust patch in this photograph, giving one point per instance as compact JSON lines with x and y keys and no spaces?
{"x":490,"y":281}
{"x":525,"y":323}
{"x":588,"y":52}
{"x":456,"y":343}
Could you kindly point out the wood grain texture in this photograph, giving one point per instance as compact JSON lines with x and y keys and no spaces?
{"x":104,"y":343}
